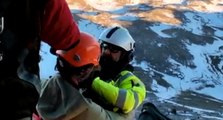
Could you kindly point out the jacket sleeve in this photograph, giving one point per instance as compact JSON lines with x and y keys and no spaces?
{"x":128,"y":95}
{"x":58,"y":28}
{"x":60,"y":100}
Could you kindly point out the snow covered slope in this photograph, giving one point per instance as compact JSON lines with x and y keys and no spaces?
{"x":179,"y":53}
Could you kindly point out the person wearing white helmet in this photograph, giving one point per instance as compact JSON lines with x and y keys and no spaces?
{"x":117,"y":89}
{"x":117,"y":51}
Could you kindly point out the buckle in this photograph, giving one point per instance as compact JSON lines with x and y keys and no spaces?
{"x":1,"y":24}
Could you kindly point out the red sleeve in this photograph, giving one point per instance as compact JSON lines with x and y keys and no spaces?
{"x":59,"y":29}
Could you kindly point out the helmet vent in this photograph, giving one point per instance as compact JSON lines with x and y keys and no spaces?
{"x":77,"y":58}
{"x":111,"y":32}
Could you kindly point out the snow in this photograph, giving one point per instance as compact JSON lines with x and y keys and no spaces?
{"x":47,"y":63}
{"x":158,"y":29}
{"x":194,"y":25}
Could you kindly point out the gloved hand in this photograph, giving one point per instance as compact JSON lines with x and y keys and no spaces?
{"x":53,"y":50}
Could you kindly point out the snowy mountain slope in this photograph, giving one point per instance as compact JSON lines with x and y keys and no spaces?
{"x":179,"y":52}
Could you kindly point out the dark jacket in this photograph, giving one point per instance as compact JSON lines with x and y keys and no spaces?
{"x":26,"y":23}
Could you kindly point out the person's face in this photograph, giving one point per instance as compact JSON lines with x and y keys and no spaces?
{"x":111,"y":51}
{"x":82,"y":74}
{"x":75,"y":74}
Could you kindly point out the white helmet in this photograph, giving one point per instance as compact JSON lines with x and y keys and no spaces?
{"x":118,"y":36}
